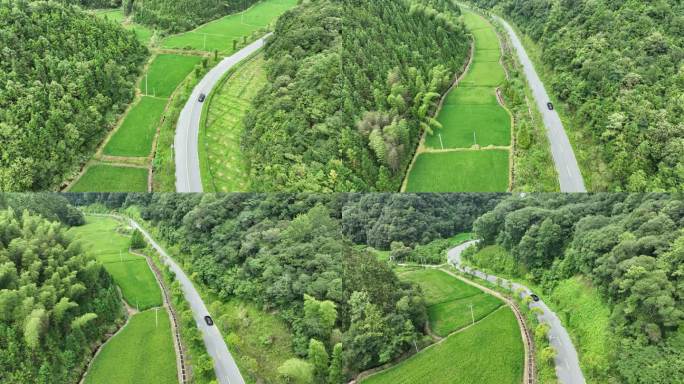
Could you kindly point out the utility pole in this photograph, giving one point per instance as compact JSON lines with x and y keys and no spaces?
{"x":471,"y":313}
{"x":474,"y":138}
{"x":205,"y":42}
{"x":146,"y":85}
{"x":440,"y":140}
{"x":156,"y":322}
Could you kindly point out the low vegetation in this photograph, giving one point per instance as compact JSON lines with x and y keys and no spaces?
{"x":137,"y":131}
{"x":140,"y":353}
{"x":112,"y":178}
{"x":489,"y":352}
{"x":103,"y":238}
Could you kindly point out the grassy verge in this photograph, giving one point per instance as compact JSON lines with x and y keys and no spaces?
{"x":141,"y":353}
{"x":489,"y":352}
{"x":578,"y":305}
{"x":221,"y":161}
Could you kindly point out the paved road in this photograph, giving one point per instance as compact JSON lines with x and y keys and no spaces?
{"x":567,"y":362}
{"x":568,"y":171}
{"x":227,"y":371}
{"x":188,"y":178}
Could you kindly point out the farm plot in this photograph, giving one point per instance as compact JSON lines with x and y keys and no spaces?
{"x":490,"y":352}
{"x":142,"y":33}
{"x":166,"y":72}
{"x":135,"y":135}
{"x":452,"y":304}
{"x":219,"y":34}
{"x":130,"y":272}
{"x":110,"y":178}
{"x":462,"y":171}
{"x":141,"y":353}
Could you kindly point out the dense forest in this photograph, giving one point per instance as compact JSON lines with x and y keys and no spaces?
{"x":294,"y":254}
{"x":631,"y":247}
{"x":352,"y":84}
{"x":618,"y":66}
{"x":64,"y":76}
{"x":55,"y":302}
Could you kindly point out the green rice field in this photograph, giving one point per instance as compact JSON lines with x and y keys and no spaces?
{"x":165,"y":73}
{"x":223,"y":166}
{"x":110,"y":178}
{"x":219,"y":34}
{"x":490,"y":352}
{"x":471,"y":116}
{"x":136,"y":134}
{"x":130,"y":272}
{"x":462,"y":171}
{"x":142,"y":352}
{"x":142,"y":33}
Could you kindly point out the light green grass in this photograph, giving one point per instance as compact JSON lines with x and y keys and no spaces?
{"x":587,"y":318}
{"x":484,"y":74}
{"x":453,"y":315}
{"x":109,"y":178}
{"x":141,"y":353}
{"x":219,"y":34}
{"x":467,"y":125}
{"x":491,"y":352}
{"x":131,"y":273}
{"x":438,"y":286}
{"x":449,"y":299}
{"x":224,"y":168}
{"x":135,"y":135}
{"x":166,"y":72}
{"x":462,"y":171}
{"x":472,"y":95}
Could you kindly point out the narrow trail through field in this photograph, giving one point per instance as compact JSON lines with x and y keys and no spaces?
{"x":471,"y":152}
{"x":567,"y":361}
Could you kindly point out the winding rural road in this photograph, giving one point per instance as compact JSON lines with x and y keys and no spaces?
{"x":567,"y":363}
{"x":226,"y":369}
{"x":569,"y":174}
{"x":188,"y":178}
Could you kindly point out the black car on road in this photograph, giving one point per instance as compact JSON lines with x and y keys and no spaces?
{"x":550,"y":105}
{"x":208,"y":320}
{"x":202,"y":96}
{"x":534,"y":297}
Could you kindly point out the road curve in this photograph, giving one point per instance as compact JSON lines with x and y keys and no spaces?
{"x":567,"y":363}
{"x":226,"y":369}
{"x":188,"y":178}
{"x":569,"y":174}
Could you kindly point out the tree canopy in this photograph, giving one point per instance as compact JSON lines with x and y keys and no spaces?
{"x":64,"y":76}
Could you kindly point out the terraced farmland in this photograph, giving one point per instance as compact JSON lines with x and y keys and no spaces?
{"x":223,"y":166}
{"x":482,"y":346}
{"x":111,"y":178}
{"x":471,"y":152}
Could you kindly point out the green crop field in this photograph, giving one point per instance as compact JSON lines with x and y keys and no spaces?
{"x":449,"y":300}
{"x":438,"y":286}
{"x":166,"y":72}
{"x":491,"y":352}
{"x":470,"y":116}
{"x":109,"y":178}
{"x":477,"y":124}
{"x":135,"y":135}
{"x":219,"y":35}
{"x":224,"y":168}
{"x":141,"y":353}
{"x":463,"y":171}
{"x":453,"y":315}
{"x":130,"y":272}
